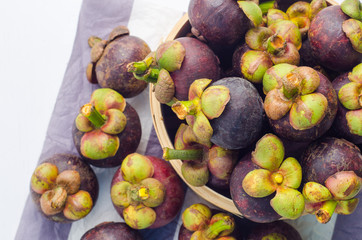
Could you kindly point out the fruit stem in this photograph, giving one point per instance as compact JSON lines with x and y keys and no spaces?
{"x":278,"y":178}
{"x":140,"y":67}
{"x":276,"y":45}
{"x":143,"y":193}
{"x":325,"y":213}
{"x":172,"y":102}
{"x":291,"y":85}
{"x":187,"y":154}
{"x":214,"y":230}
{"x":184,"y":108}
{"x":90,"y":112}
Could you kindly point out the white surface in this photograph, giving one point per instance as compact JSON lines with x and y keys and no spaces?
{"x":36,"y":44}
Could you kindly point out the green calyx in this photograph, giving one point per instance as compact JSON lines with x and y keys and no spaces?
{"x":254,"y":64}
{"x":139,"y":216}
{"x":274,"y":174}
{"x":150,"y":192}
{"x":252,"y":11}
{"x":136,"y":167}
{"x":336,"y":196}
{"x":198,"y":218}
{"x":350,"y":95}
{"x":352,"y":8}
{"x":294,"y":92}
{"x":101,"y":119}
{"x":220,"y":225}
{"x":353,"y":29}
{"x":170,"y":55}
{"x":203,"y":105}
{"x":60,"y":192}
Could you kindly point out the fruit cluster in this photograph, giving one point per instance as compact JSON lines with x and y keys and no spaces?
{"x":268,"y":101}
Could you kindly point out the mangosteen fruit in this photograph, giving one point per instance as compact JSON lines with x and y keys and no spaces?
{"x":278,"y":230}
{"x":109,"y":59}
{"x":111,"y":230}
{"x":107,"y":129}
{"x":264,"y":185}
{"x":64,"y":188}
{"x":228,"y":113}
{"x":175,"y":65}
{"x":348,"y":122}
{"x":300,"y":102}
{"x":200,"y":162}
{"x":335,"y":43}
{"x":201,"y":222}
{"x":332,"y":177}
{"x":267,"y":46}
{"x":146,"y":192}
{"x":223,"y":24}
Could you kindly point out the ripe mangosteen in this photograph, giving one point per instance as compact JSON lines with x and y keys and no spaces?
{"x":348,"y":122}
{"x":107,"y":129}
{"x":111,"y":230}
{"x":109,"y":59}
{"x":64,"y":188}
{"x":264,"y":185}
{"x":267,"y":46}
{"x":300,"y":102}
{"x":201,"y":165}
{"x":333,"y":40}
{"x":175,"y":65}
{"x":146,"y":192}
{"x":332,"y":177}
{"x":275,"y":230}
{"x":228,"y":113}
{"x":222,"y":24}
{"x":201,"y":222}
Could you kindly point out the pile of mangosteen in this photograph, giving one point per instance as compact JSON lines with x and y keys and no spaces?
{"x":263,"y":101}
{"x":265,"y":123}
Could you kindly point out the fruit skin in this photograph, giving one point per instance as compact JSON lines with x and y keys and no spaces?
{"x":241,"y":122}
{"x":283,"y":128}
{"x":111,"y":230}
{"x":330,"y":45}
{"x":260,"y":231}
{"x":129,"y":139}
{"x":174,"y":195}
{"x":255,"y":209}
{"x":221,"y":24}
{"x":88,"y":179}
{"x":340,"y":126}
{"x":329,"y":155}
{"x":199,"y":62}
{"x":111,"y":68}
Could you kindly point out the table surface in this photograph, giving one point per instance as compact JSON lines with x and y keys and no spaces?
{"x":37,"y":39}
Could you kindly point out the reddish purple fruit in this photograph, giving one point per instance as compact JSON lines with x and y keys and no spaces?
{"x":109,"y":59}
{"x":329,"y":155}
{"x":330,"y":45}
{"x":348,"y":122}
{"x":107,"y":129}
{"x":111,"y":230}
{"x":275,"y":230}
{"x":199,"y":62}
{"x":241,"y":122}
{"x":254,"y":209}
{"x":146,"y":192}
{"x":221,"y":24}
{"x":64,"y":188}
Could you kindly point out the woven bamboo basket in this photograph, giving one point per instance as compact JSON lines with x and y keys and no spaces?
{"x":162,"y":118}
